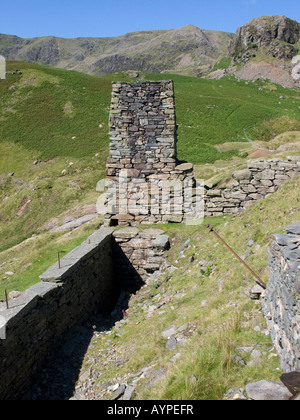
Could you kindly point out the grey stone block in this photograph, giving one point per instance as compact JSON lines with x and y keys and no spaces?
{"x":294,"y":229}
{"x":161,"y":242}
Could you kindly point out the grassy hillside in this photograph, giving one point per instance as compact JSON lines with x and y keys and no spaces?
{"x":58,"y":120}
{"x":53,"y":147}
{"x":223,"y":336}
{"x":54,"y":113}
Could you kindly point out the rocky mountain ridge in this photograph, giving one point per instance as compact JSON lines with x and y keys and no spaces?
{"x":187,"y":50}
{"x":276,"y":36}
{"x":261,"y":49}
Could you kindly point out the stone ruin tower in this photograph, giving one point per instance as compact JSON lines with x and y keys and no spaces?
{"x":143,"y":177}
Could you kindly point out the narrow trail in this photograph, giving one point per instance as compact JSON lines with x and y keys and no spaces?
{"x":255,"y":147}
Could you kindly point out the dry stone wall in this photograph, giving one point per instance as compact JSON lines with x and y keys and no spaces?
{"x":139,"y":255}
{"x":281,"y":303}
{"x":89,"y":280}
{"x":145,"y":182}
{"x":260,"y":179}
{"x":65,"y":297}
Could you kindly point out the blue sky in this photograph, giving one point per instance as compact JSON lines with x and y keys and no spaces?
{"x":100,"y":18}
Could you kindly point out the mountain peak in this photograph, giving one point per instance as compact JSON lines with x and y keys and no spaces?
{"x":190,"y":27}
{"x":186,"y":50}
{"x":264,"y":49}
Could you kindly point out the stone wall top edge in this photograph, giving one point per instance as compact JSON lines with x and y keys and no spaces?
{"x":27,"y":301}
{"x":100,"y":235}
{"x":288,"y":246}
{"x":144,"y":82}
{"x":72,"y":260}
{"x":288,"y":159}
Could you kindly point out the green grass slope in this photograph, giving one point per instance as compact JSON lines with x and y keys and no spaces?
{"x":210,"y":291}
{"x":60,"y":119}
{"x":53,"y":112}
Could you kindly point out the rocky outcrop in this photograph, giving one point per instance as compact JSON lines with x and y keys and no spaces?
{"x":117,"y":62}
{"x":46,"y":52}
{"x":277,"y":72}
{"x":276,"y":36}
{"x":265,"y":47}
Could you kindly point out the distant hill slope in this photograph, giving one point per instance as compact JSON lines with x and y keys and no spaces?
{"x":188,"y":50}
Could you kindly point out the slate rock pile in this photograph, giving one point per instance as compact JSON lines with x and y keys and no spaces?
{"x":140,"y":254}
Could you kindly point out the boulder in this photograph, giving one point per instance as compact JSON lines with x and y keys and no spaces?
{"x":294,"y":229}
{"x":292,"y":381}
{"x":256,"y":292}
{"x":169,"y":332}
{"x":161,"y":241}
{"x":185,"y":167}
{"x":171,"y":343}
{"x":128,"y":393}
{"x":119,"y":392}
{"x":267,"y":391}
{"x":243,"y":175}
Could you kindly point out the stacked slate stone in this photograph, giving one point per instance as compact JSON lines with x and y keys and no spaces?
{"x":281,"y":303}
{"x":143,"y":155}
{"x":260,"y":179}
{"x":139,"y":255}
